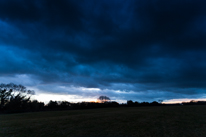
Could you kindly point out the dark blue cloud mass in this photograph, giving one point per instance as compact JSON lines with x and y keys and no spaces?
{"x":151,"y":49}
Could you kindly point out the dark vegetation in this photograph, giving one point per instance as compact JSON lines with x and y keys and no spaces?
{"x":16,"y":98}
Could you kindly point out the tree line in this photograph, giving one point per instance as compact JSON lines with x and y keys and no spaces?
{"x":17,"y":98}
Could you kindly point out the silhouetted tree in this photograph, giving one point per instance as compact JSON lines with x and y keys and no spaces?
{"x":103,"y":99}
{"x":114,"y":104}
{"x":154,"y":103}
{"x":35,"y":105}
{"x":136,"y":103}
{"x":64,"y":104}
{"x":13,"y":93}
{"x":144,"y":103}
{"x":5,"y":95}
{"x":52,"y":104}
{"x":130,"y":103}
{"x":17,"y":103}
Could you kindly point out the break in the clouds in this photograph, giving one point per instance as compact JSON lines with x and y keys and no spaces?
{"x":140,"y":50}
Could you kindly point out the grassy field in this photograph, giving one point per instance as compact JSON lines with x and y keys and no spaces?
{"x":167,"y":121}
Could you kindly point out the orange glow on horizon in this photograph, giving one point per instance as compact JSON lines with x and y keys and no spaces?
{"x":96,"y":101}
{"x":173,"y":101}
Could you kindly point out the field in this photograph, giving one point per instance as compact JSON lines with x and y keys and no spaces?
{"x":165,"y":121}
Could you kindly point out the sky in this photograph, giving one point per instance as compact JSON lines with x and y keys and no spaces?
{"x":78,"y":50}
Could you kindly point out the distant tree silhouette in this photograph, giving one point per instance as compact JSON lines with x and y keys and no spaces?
{"x":130,"y":103}
{"x":12,"y":94}
{"x":64,"y":104}
{"x":103,"y":99}
{"x":154,"y":103}
{"x":18,"y":103}
{"x":52,"y":104}
{"x":35,"y":105}
{"x":145,"y":103}
{"x":136,"y":103}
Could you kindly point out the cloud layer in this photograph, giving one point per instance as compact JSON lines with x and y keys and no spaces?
{"x":127,"y":46}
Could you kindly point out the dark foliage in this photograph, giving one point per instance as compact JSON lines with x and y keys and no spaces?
{"x":130,"y":103}
{"x":16,"y":98}
{"x":36,"y":106}
{"x":52,"y":104}
{"x":193,"y":102}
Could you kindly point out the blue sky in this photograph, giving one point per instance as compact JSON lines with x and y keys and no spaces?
{"x":79,"y":50}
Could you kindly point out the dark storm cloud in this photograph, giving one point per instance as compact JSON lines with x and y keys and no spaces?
{"x":112,"y":45}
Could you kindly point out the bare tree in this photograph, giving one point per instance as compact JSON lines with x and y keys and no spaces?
{"x":13,"y":91}
{"x":104,"y":99}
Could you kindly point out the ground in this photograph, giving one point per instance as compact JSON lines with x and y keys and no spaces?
{"x":162,"y":121}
